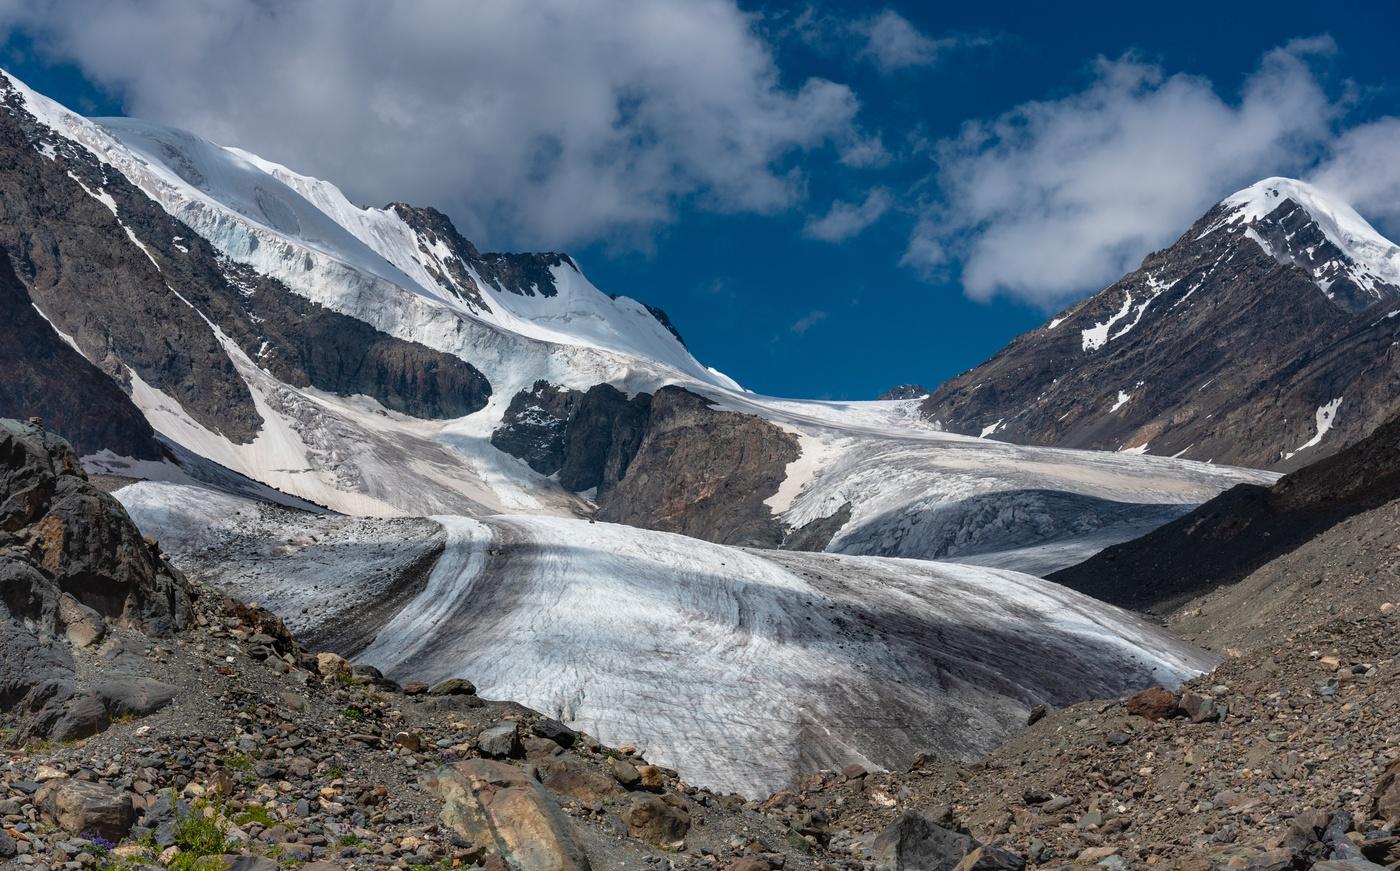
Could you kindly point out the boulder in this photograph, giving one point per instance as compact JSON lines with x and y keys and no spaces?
{"x":501,"y":741}
{"x":83,"y":808}
{"x":332,"y":665}
{"x":1154,"y":703}
{"x":131,"y":695}
{"x":455,"y":686}
{"x":497,"y":809}
{"x":1387,"y":795}
{"x":657,"y":822}
{"x":650,"y":778}
{"x":555,"y":731}
{"x":82,"y":626}
{"x":915,"y":843}
{"x":989,"y":857}
{"x":625,"y":773}
{"x":571,"y":777}
{"x":1198,"y":707}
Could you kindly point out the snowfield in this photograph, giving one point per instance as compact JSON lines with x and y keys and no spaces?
{"x":740,"y":668}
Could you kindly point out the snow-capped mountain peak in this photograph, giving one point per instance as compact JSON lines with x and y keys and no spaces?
{"x":1296,"y":222}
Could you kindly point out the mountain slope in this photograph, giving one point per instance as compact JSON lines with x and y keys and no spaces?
{"x":1265,"y":336}
{"x":375,"y":362}
{"x":1244,"y":528}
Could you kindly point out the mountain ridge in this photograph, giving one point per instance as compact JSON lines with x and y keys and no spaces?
{"x":1263,"y":337}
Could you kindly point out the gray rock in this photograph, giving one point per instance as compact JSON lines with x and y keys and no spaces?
{"x":455,"y":686}
{"x":914,"y":843}
{"x":83,"y":808}
{"x":657,"y":822}
{"x":129,"y":695}
{"x":501,"y":741}
{"x":555,"y":731}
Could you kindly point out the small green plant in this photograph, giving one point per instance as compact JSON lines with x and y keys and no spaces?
{"x":255,"y":814}
{"x":238,"y":761}
{"x":354,"y":713}
{"x":335,"y":773}
{"x":200,"y":836}
{"x":350,"y":840}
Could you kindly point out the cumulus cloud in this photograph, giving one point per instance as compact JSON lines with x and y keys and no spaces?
{"x":1057,"y":198}
{"x":552,"y":123}
{"x":845,"y":220}
{"x":893,"y":43}
{"x":1363,"y":167}
{"x":887,"y":40}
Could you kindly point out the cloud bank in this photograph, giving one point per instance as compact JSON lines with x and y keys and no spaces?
{"x":554,"y":123}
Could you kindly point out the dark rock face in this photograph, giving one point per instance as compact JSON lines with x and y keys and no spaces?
{"x":436,"y":228}
{"x":602,"y":438}
{"x":534,"y":424}
{"x":142,"y":305}
{"x":1243,"y":528}
{"x":44,"y":377}
{"x":105,"y":292}
{"x":589,"y":438}
{"x":307,"y":345}
{"x":905,"y":391}
{"x":71,"y":561}
{"x":669,"y":461}
{"x":665,"y":321}
{"x":704,"y":472}
{"x":1212,"y":350}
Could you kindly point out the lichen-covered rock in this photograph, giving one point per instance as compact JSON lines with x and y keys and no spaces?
{"x":497,"y":808}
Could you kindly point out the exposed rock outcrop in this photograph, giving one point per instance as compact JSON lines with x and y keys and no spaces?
{"x":704,"y":472}
{"x":44,"y":377}
{"x":71,"y":563}
{"x":671,"y":461}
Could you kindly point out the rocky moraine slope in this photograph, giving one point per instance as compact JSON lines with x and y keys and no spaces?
{"x":152,"y":722}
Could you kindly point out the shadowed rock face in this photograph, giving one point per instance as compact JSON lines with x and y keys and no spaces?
{"x":71,"y":563}
{"x":669,"y":461}
{"x":1213,"y":350}
{"x":1243,"y":528}
{"x":139,"y":291}
{"x":44,"y":377}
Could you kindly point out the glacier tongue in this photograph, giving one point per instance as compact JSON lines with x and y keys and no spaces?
{"x":740,"y":668}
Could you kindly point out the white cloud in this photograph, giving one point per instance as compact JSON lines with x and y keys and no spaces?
{"x":1056,"y":199}
{"x":807,"y":321}
{"x":1363,"y":167}
{"x":893,"y":43}
{"x":844,"y":220}
{"x":551,"y":123}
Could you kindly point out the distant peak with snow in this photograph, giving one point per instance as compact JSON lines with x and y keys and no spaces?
{"x":1297,"y":222}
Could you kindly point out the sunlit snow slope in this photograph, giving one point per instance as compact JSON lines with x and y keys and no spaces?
{"x":740,"y":668}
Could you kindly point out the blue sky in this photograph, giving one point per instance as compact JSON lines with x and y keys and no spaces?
{"x":798,"y":185}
